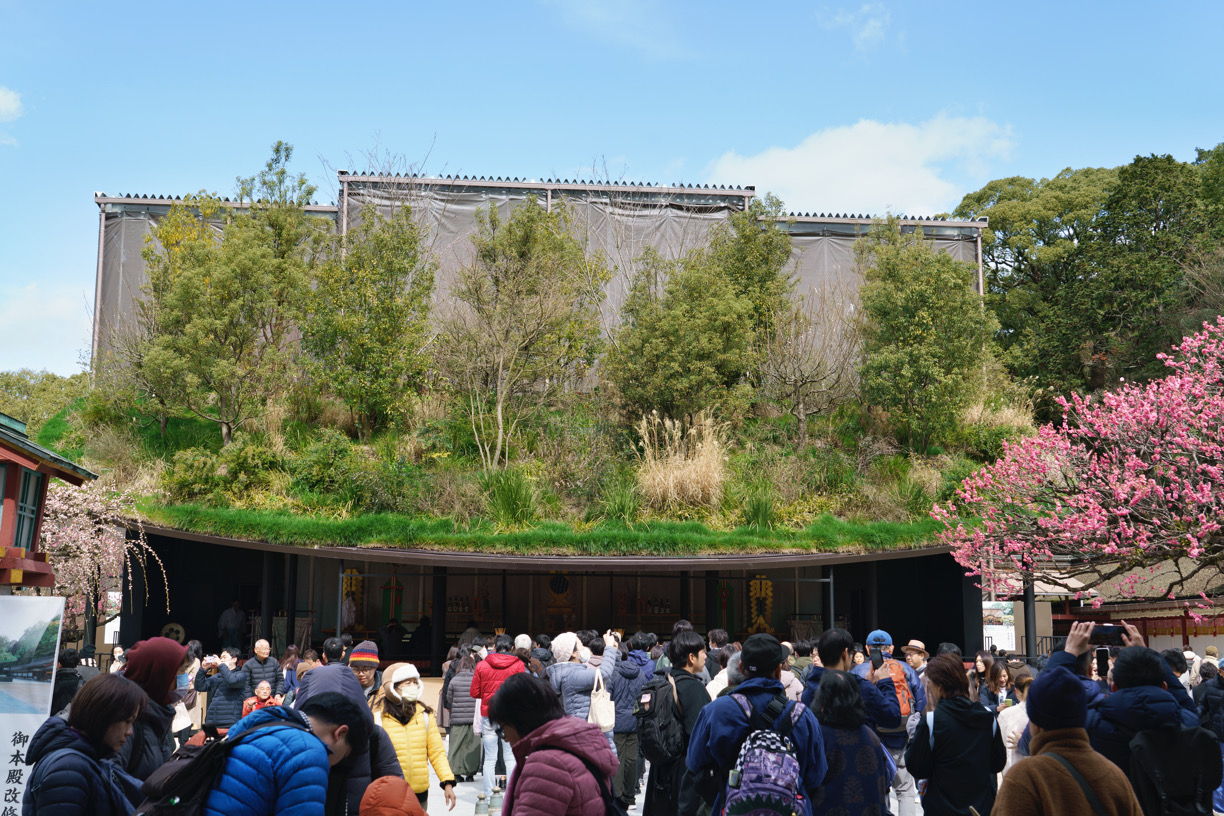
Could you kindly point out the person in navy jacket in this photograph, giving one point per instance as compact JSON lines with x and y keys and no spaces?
{"x":879,"y":698}
{"x":723,"y":726}
{"x":282,"y":769}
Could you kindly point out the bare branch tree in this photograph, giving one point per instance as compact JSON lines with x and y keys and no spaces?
{"x":809,"y":362}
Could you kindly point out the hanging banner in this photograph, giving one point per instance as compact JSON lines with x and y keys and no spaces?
{"x":29,"y":648}
{"x":999,"y":624}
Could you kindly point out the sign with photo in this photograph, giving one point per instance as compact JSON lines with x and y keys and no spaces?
{"x":29,"y":647}
{"x":999,"y":624}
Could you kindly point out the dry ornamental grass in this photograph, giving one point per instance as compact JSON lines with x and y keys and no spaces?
{"x":679,"y":465}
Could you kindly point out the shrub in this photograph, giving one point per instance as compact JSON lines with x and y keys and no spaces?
{"x":324,"y":465}
{"x":512,"y":499}
{"x":621,"y":501}
{"x":984,"y":442}
{"x":449,"y":492}
{"x":194,"y":476}
{"x":679,"y":466}
{"x":757,"y":504}
{"x":247,"y":465}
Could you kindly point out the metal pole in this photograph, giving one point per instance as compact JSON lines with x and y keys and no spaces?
{"x":1030,"y":619}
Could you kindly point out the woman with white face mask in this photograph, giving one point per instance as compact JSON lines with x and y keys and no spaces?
{"x":413,"y":729}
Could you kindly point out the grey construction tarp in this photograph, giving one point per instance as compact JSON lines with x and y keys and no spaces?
{"x":619,"y":221}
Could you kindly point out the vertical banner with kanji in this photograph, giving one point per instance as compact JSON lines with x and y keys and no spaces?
{"x":29,"y":648}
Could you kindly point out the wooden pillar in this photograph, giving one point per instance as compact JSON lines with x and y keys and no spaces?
{"x":686,"y":601}
{"x":291,"y":605}
{"x":826,"y":600}
{"x":265,"y":599}
{"x":437,"y":648}
{"x":713,"y":621}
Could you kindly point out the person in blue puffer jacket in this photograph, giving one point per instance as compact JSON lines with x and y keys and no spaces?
{"x":73,"y":774}
{"x":625,"y":688}
{"x":282,"y":757}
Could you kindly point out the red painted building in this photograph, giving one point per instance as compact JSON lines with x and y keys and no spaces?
{"x":25,"y":470}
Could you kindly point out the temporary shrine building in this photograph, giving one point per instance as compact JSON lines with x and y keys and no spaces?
{"x":306,"y":593}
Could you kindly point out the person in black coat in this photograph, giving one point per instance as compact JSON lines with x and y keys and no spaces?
{"x":225,"y":685}
{"x":73,"y":774}
{"x":67,"y":680}
{"x":672,"y":789}
{"x":153,"y":665}
{"x":349,"y":779}
{"x":961,"y":761}
{"x":264,"y":667}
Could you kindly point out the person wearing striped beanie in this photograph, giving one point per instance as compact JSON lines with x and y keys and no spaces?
{"x":364,"y":662}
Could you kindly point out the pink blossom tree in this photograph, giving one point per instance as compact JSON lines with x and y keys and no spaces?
{"x":1130,"y":481}
{"x":85,"y":535}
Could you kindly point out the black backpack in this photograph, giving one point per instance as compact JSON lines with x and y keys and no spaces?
{"x":180,"y":787}
{"x":1174,"y":771}
{"x":660,"y":732}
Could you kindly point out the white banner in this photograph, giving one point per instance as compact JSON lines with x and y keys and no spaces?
{"x":29,"y":648}
{"x":999,"y":624}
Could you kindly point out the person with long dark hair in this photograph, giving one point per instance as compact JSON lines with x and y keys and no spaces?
{"x":73,"y":774}
{"x":562,"y":763}
{"x":464,"y":750}
{"x":289,"y":663}
{"x":957,"y":747}
{"x":859,"y":765}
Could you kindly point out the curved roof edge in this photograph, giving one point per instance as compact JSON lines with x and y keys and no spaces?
{"x":576,"y":563}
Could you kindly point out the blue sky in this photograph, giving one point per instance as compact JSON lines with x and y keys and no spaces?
{"x":848,"y":107}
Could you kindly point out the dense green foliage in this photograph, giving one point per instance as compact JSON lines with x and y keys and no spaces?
{"x":524,"y":321}
{"x":367,"y":323}
{"x":686,"y":340}
{"x":34,"y":397}
{"x":1095,"y":271}
{"x":926,"y":331}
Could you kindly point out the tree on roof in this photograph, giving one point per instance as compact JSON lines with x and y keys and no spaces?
{"x":1130,"y":481}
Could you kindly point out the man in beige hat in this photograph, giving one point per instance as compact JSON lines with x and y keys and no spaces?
{"x":916,"y":655}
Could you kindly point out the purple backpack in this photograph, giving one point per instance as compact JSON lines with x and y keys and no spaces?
{"x":766,"y":778}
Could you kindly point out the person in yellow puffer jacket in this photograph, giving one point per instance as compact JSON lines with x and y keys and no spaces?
{"x":413,"y":729}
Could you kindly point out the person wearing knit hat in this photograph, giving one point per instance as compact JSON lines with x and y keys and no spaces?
{"x":413,"y":729}
{"x":363,"y":660}
{"x":153,"y":665}
{"x":523,"y":642}
{"x":1058,"y":708}
{"x":1212,"y":655}
{"x":390,"y":796}
{"x":563,"y":646}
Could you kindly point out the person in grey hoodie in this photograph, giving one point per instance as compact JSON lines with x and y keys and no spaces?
{"x":626,"y":685}
{"x":573,"y":679}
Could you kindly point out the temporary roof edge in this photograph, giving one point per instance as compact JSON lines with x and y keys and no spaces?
{"x":575,"y":563}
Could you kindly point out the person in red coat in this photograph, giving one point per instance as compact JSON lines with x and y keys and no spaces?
{"x":565,"y":764}
{"x":488,"y":678}
{"x":262,"y":699}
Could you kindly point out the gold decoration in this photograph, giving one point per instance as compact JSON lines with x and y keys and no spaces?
{"x":760,"y":604}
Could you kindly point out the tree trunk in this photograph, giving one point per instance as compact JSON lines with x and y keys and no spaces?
{"x":801,"y":415}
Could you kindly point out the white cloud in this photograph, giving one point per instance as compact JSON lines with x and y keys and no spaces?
{"x":43,"y":328}
{"x":10,"y":104}
{"x":875,"y":167}
{"x":635,"y":24}
{"x":868,"y":25}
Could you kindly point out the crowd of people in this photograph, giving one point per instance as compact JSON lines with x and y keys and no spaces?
{"x":586,"y":722}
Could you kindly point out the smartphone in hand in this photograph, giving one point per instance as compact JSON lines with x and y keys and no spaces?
{"x":877,"y":659}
